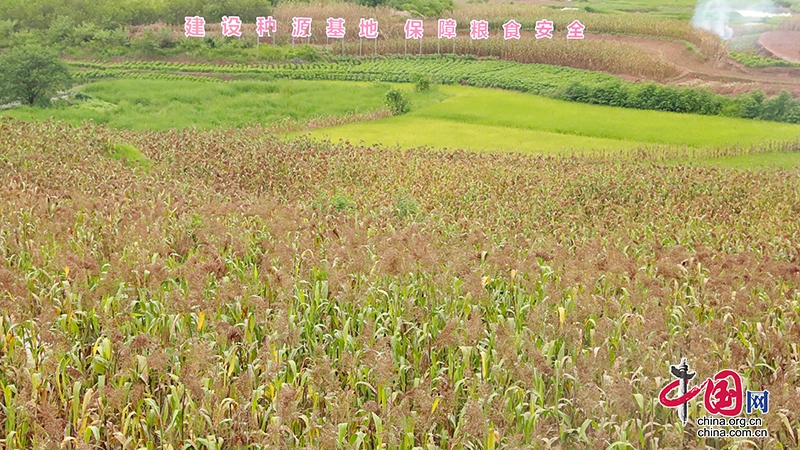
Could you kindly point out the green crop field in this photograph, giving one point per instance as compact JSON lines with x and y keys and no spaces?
{"x":414,"y":131}
{"x":677,"y":9}
{"x":484,"y":119}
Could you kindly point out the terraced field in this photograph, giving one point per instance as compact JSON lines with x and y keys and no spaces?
{"x":481,"y":119}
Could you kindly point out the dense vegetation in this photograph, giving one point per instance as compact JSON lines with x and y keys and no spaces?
{"x":761,"y":61}
{"x":226,"y":288}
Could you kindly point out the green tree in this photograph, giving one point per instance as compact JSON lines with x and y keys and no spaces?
{"x":31,"y":74}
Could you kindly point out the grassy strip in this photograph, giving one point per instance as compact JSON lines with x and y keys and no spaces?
{"x":91,"y":75}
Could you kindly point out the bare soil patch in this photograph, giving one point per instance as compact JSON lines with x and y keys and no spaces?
{"x":722,"y":75}
{"x":782,"y":44}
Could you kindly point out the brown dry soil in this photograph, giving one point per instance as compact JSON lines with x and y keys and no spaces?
{"x":722,"y":75}
{"x":782,"y":44}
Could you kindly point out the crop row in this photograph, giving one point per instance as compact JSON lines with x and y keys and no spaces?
{"x":595,"y":55}
{"x":96,"y":74}
{"x":760,"y":61}
{"x":442,"y":70}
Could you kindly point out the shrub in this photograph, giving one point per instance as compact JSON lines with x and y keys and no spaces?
{"x":776,"y":108}
{"x":750,"y":104}
{"x":576,"y":92}
{"x":7,"y":30}
{"x":396,"y":101}
{"x":642,"y":97}
{"x":667,"y":99}
{"x":62,"y":31}
{"x":165,"y":38}
{"x":793,"y":115}
{"x":421,"y":82}
{"x":147,"y":43}
{"x":611,"y":93}
{"x":711,"y":103}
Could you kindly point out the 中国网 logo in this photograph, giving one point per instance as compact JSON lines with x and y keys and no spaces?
{"x":723,"y":395}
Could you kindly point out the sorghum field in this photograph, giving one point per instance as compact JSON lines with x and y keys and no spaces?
{"x":230,"y":289}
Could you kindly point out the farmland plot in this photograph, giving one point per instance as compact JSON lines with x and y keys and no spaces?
{"x":227,"y":289}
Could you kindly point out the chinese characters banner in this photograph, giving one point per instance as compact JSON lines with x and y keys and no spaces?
{"x":368,"y":28}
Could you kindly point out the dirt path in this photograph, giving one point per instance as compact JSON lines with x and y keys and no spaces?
{"x":725,"y":76}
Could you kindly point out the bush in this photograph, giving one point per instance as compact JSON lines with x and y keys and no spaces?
{"x":667,"y":99}
{"x":397,"y":101}
{"x":612,"y":93}
{"x":422,"y":83}
{"x":165,"y":38}
{"x":576,"y":92}
{"x":84,"y":33}
{"x":643,"y":95}
{"x":777,"y":108}
{"x":710,"y":103}
{"x":7,"y":30}
{"x":793,"y":116}
{"x":750,"y":104}
{"x":62,"y":31}
{"x":147,"y":43}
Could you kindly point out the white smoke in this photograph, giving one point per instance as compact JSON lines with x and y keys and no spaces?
{"x":713,"y":15}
